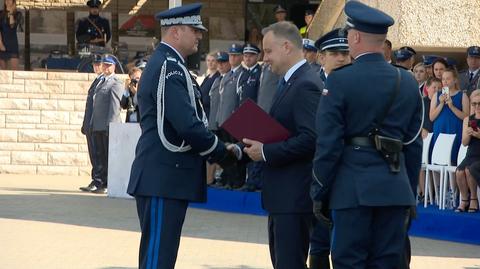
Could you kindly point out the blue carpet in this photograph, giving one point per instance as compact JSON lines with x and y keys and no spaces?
{"x":430,"y":223}
{"x":447,"y":225}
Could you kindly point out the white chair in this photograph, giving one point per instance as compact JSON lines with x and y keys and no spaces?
{"x":449,"y":177}
{"x":441,"y":158}
{"x":426,"y":146}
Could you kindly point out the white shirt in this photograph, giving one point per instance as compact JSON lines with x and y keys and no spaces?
{"x":234,"y":69}
{"x":473,"y":72}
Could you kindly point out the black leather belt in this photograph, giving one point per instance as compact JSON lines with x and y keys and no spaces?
{"x":359,"y":141}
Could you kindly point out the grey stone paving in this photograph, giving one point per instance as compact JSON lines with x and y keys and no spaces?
{"x":46,"y":223}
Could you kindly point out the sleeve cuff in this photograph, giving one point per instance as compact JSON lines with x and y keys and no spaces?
{"x":263,"y":155}
{"x":211,"y":149}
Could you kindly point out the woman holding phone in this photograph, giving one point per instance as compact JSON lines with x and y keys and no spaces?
{"x":448,"y":108}
{"x":467,"y":170}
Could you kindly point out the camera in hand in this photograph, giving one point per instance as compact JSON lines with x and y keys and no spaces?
{"x":133,"y":82}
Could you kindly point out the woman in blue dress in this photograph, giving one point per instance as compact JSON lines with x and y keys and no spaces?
{"x":10,"y":20}
{"x":448,"y":108}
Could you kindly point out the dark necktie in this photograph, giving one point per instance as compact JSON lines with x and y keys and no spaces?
{"x":281,"y":85}
{"x":471,"y":76}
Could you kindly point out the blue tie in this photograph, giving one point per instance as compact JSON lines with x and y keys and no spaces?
{"x":281,"y":85}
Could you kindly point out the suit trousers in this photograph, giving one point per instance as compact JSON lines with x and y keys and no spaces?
{"x":161,"y":222}
{"x":288,"y":238}
{"x":369,"y":237}
{"x":91,"y":154}
{"x":320,"y":240}
{"x":101,"y":157}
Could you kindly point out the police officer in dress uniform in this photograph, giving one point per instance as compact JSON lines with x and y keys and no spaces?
{"x":250,"y":78}
{"x":223,"y":66}
{"x":234,"y":175}
{"x":87,"y":117}
{"x":469,"y":78}
{"x":368,"y":150}
{"x":310,"y":54}
{"x":106,"y":109}
{"x":333,"y":52}
{"x":333,"y":47}
{"x":94,"y":29}
{"x":169,"y":167}
{"x":248,"y":88}
{"x":405,"y":57}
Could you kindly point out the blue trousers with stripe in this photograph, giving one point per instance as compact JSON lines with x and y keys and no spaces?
{"x":161,"y":222}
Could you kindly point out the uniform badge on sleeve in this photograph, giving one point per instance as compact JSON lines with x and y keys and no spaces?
{"x":325,"y":92}
{"x":173,"y":73}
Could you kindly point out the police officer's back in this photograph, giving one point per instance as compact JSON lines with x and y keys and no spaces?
{"x":361,"y":186}
{"x":94,"y":29}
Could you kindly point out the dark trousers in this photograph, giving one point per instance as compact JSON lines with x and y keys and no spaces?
{"x":101,"y":157}
{"x":369,"y":237}
{"x":320,"y":240}
{"x":288,"y":237}
{"x":91,"y":153}
{"x":161,"y":222}
{"x":254,"y":177}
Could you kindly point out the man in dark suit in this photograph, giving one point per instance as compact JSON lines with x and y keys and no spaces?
{"x":369,"y":188}
{"x":87,"y":117}
{"x":287,"y":165}
{"x":94,"y":29}
{"x":169,"y":167}
{"x":106,"y":109}
{"x":469,"y":78}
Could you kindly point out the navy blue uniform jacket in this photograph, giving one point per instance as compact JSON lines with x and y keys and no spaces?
{"x":287,"y":172}
{"x":157,"y":171}
{"x":352,"y":176}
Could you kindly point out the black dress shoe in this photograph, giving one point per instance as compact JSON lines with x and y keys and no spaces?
{"x":99,"y":190}
{"x":88,"y":188}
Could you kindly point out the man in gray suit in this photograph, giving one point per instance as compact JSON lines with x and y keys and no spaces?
{"x":106,"y":109}
{"x":235,"y":175}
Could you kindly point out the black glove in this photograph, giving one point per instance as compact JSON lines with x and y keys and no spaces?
{"x":319,"y":213}
{"x":227,"y":160}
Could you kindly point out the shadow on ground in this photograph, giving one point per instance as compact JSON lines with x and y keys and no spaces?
{"x":77,"y":208}
{"x":99,"y":211}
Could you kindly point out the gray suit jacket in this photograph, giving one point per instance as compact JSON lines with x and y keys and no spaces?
{"x":267,"y":88}
{"x":214,"y":103}
{"x":106,"y":103}
{"x":228,"y":95}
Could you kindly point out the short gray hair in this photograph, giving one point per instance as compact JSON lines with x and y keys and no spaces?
{"x":285,"y":30}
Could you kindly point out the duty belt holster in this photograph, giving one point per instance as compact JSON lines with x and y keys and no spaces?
{"x":389,"y":148}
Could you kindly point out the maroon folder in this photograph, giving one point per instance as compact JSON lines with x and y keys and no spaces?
{"x":252,"y":122}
